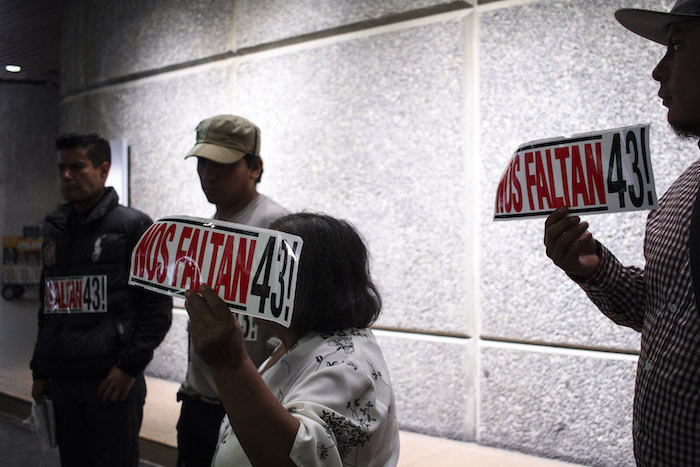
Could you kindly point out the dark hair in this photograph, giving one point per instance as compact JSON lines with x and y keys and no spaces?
{"x":334,"y":287}
{"x":251,"y":161}
{"x":97,"y":148}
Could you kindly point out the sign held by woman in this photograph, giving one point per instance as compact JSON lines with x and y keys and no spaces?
{"x":253,"y":270}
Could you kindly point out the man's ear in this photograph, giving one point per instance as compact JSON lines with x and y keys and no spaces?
{"x":104,"y":171}
{"x":256,"y":170}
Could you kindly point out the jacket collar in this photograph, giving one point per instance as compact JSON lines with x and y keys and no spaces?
{"x":109,"y":200}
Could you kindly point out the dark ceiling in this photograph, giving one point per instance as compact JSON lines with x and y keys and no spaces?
{"x":30,"y":38}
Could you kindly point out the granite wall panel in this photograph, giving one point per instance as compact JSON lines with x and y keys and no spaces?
{"x":113,"y":39}
{"x":158,"y":118}
{"x":571,"y":406}
{"x":170,"y":358}
{"x":72,"y":46}
{"x":370,"y":130}
{"x":554,"y":68}
{"x":434,"y":383}
{"x":262,"y":21}
{"x":28,"y":179}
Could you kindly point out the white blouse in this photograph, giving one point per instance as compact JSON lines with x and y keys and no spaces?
{"x":337,"y":385}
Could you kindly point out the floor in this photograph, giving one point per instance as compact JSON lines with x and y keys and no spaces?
{"x":20,"y":447}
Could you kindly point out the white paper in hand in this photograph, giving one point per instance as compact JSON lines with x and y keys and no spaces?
{"x":44,"y":423}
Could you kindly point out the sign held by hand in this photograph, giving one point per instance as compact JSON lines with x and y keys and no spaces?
{"x":603,"y":171}
{"x":253,"y":270}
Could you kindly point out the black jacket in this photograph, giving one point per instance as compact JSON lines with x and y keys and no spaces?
{"x":87,"y":345}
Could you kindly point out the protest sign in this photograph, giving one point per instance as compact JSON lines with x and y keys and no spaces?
{"x":253,"y":270}
{"x":604,"y":171}
{"x":75,"y":294}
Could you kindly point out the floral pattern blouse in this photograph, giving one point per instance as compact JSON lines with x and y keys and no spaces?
{"x":337,"y":385}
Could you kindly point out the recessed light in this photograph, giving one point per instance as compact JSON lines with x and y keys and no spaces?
{"x":13,"y":68}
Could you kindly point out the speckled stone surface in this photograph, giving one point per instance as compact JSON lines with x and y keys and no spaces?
{"x":381,"y":145}
{"x":28,"y":179}
{"x":170,"y":358}
{"x":262,"y":21}
{"x":548,"y":69}
{"x":158,"y":118}
{"x":117,"y":38}
{"x":434,"y":383}
{"x":565,"y":406}
{"x":72,"y":44}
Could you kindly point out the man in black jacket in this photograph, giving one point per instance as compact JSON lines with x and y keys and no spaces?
{"x":96,"y":334}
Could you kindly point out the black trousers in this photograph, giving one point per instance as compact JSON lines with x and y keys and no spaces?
{"x":92,"y":433}
{"x":197,"y":431}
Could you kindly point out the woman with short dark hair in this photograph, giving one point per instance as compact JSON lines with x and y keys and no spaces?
{"x":324,"y":396}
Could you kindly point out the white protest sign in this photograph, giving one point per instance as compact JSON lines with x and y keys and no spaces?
{"x":75,"y":294}
{"x":603,"y":171}
{"x":253,"y":270}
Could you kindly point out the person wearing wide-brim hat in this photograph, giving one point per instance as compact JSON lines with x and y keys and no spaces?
{"x":662,"y":300}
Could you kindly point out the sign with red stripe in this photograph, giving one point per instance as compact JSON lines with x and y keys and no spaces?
{"x":604,"y":171}
{"x":253,"y":270}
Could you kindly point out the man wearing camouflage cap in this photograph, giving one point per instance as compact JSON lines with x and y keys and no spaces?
{"x":229,"y":167}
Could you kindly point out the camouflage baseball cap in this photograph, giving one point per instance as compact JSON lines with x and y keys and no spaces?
{"x":226,"y":139}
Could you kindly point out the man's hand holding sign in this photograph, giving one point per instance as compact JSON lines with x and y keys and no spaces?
{"x":570,"y":245}
{"x":604,"y":171}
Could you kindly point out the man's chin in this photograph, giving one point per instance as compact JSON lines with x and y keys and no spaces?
{"x":211,"y":197}
{"x":684,"y":132}
{"x":70,"y":196}
{"x":683,"y":129}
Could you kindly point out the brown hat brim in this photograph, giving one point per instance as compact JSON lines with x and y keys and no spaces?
{"x":651,"y":24}
{"x":216,"y":153}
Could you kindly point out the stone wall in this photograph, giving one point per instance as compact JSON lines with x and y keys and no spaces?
{"x":400,"y":116}
{"x":28,"y":182}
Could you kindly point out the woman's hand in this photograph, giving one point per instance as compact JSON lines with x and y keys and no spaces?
{"x":216,"y":335}
{"x":262,"y":425}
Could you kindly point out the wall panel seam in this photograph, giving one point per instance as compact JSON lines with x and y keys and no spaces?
{"x":285,"y":46}
{"x":532,"y":346}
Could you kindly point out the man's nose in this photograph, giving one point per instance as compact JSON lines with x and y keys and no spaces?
{"x":661,"y":70}
{"x":65,"y":174}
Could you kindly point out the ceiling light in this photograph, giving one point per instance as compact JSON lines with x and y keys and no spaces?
{"x":13,"y":68}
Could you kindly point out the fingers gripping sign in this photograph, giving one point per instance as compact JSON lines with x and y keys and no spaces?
{"x":569,"y":244}
{"x":216,"y":334}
